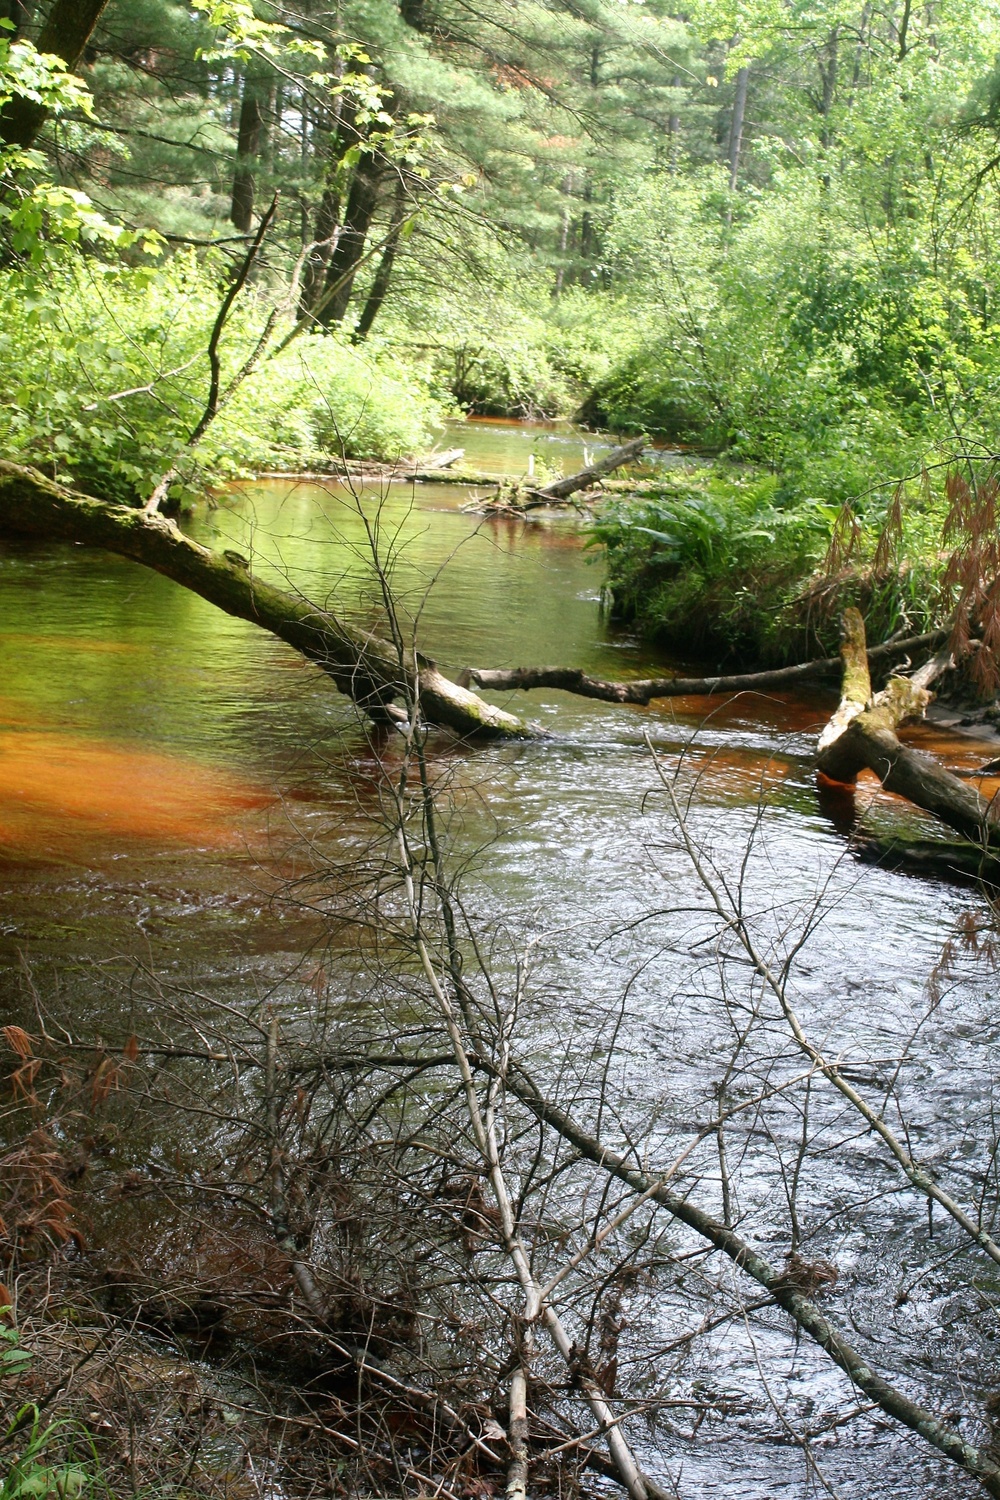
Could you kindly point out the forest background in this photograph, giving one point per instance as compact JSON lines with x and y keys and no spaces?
{"x":765,"y":230}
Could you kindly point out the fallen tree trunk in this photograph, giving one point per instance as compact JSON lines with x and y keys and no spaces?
{"x":364,"y":666}
{"x":862,"y":736}
{"x":443,"y":460}
{"x":644,"y":689}
{"x":561,"y":489}
{"x":374,"y":472}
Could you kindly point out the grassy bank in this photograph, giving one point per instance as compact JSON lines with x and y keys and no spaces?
{"x":722,"y":562}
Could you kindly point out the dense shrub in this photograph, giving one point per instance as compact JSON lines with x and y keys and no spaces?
{"x":727,"y":566}
{"x":103,"y":373}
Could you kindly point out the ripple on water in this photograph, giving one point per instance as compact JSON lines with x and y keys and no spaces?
{"x":182,"y":767}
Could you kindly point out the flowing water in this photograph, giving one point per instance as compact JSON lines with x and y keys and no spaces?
{"x":164,"y":770}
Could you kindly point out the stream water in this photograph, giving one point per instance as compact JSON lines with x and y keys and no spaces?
{"x":162,"y":768}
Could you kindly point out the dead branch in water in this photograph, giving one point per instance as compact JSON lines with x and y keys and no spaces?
{"x":643,"y":689}
{"x":561,"y":489}
{"x":516,"y":499}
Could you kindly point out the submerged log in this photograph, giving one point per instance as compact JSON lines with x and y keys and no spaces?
{"x":862,"y":736}
{"x":644,"y":689}
{"x":363,"y":665}
{"x":950,"y":860}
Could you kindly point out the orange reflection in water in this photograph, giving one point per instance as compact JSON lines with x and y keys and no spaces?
{"x":71,"y":797}
{"x":787,"y":713}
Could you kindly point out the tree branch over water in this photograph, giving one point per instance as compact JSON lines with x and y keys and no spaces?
{"x":643,"y":689}
{"x":363,"y":665}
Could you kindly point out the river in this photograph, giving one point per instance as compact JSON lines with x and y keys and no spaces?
{"x":163,"y":769}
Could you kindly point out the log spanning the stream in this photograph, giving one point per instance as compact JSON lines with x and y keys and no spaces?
{"x":644,"y":689}
{"x":514,"y":500}
{"x":369,"y":669}
{"x":861,"y":735}
{"x":561,"y":489}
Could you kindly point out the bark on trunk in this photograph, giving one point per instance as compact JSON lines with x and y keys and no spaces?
{"x":248,"y":144}
{"x":328,"y":212}
{"x":736,"y":128}
{"x":383,"y":276}
{"x":364,"y":666}
{"x":67,"y":30}
{"x":362,"y":202}
{"x":862,"y":735}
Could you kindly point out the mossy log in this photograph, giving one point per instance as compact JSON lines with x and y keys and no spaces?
{"x":363,"y":665}
{"x":862,"y":736}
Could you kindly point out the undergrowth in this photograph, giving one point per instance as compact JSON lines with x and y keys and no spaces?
{"x":724,"y":563}
{"x":104,"y":373}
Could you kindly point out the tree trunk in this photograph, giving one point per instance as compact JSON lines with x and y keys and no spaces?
{"x":736,"y":128}
{"x":324,"y":236}
{"x":561,"y":489}
{"x":828,"y":68}
{"x":383,"y":276}
{"x":645,"y":689}
{"x":364,"y":666}
{"x":67,"y":30}
{"x":862,"y":736}
{"x":362,"y":202}
{"x":249,"y":140}
{"x":328,"y":212}
{"x":20,"y":14}
{"x":903,"y":32}
{"x":563,"y":243}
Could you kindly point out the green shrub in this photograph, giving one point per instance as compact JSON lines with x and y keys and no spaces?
{"x":54,"y":1462}
{"x":103,"y":373}
{"x":728,"y":565}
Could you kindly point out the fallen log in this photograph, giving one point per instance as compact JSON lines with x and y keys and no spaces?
{"x":561,"y":489}
{"x":363,"y":665}
{"x":443,"y":460}
{"x":513,"y":499}
{"x":861,"y":735}
{"x":644,"y":689}
{"x":371,"y":472}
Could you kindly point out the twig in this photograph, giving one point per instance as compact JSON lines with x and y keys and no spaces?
{"x":214,"y":403}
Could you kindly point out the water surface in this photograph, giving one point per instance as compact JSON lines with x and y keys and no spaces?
{"x":165,"y":771}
